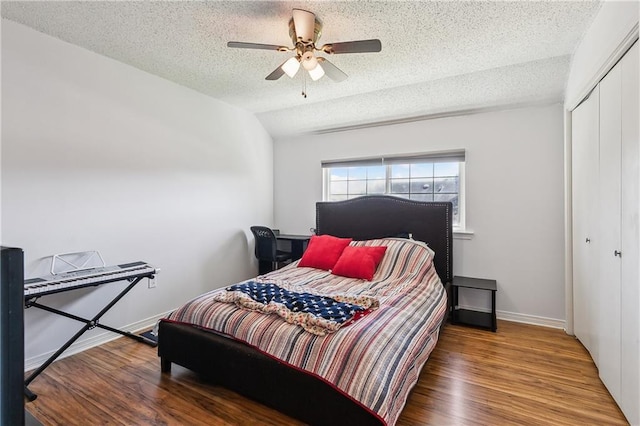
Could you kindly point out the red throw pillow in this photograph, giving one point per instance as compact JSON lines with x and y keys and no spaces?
{"x":359,"y":262}
{"x":323,"y":251}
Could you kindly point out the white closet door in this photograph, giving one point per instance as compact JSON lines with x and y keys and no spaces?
{"x":585,"y":140}
{"x":630,"y":288}
{"x":608,"y":290}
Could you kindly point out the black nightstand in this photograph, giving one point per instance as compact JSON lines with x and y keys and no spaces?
{"x":475,"y":318}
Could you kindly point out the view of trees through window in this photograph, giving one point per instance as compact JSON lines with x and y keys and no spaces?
{"x":437,"y":181}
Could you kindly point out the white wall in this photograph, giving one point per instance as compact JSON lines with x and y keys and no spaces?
{"x":514,"y":184}
{"x":615,"y":25}
{"x":99,"y":155}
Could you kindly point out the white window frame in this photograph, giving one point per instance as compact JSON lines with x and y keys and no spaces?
{"x":460,"y":228}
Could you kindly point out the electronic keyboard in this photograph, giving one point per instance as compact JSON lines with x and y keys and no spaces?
{"x":72,"y":280}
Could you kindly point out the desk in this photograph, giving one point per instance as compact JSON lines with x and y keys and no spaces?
{"x":298,"y":243}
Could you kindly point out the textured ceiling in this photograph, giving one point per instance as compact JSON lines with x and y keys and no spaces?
{"x":436,"y":57}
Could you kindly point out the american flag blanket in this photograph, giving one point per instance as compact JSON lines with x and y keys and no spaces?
{"x":375,"y":361}
{"x":316,"y":313}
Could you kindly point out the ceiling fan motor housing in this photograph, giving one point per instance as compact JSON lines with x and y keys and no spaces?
{"x":317,"y":32}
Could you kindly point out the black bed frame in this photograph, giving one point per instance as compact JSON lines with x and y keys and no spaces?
{"x":244,"y":369}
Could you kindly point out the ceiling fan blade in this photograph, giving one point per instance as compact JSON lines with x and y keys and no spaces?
{"x":358,"y":46}
{"x":242,"y":45}
{"x":277,"y":73}
{"x":304,"y":23}
{"x":333,"y":72}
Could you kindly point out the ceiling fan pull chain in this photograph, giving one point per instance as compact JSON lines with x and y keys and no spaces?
{"x":304,"y":86}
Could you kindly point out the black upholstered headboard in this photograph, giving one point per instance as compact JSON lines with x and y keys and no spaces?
{"x":380,"y":216}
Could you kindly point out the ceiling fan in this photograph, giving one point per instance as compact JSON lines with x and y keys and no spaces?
{"x":305,"y":30}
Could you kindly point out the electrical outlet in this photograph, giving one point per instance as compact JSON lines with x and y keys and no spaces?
{"x":152,"y":282}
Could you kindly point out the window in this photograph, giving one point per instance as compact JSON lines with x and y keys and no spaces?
{"x":425,"y":177}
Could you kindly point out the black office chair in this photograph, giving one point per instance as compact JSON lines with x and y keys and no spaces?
{"x":269,"y":257}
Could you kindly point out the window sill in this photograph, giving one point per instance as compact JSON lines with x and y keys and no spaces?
{"x":462,"y":234}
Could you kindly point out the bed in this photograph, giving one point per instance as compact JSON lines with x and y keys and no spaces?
{"x":318,"y":379}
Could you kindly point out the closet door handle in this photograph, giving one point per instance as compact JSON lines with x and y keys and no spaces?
{"x":587,"y":240}
{"x":617,"y":253}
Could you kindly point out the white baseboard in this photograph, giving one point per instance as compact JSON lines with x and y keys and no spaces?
{"x":90,"y":342}
{"x":531,"y":319}
{"x":523,"y":318}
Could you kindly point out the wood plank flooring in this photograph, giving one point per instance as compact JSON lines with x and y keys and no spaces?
{"x":524,"y":375}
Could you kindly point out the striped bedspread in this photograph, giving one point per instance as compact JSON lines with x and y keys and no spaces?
{"x":375,"y":361}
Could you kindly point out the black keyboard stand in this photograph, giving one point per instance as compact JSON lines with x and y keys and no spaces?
{"x":88,"y":325}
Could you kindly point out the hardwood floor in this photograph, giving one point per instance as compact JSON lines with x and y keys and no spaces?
{"x":520,"y":375}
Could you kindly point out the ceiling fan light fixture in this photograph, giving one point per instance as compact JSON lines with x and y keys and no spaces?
{"x":317,"y":72}
{"x":291,"y":67}
{"x":309,"y":61}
